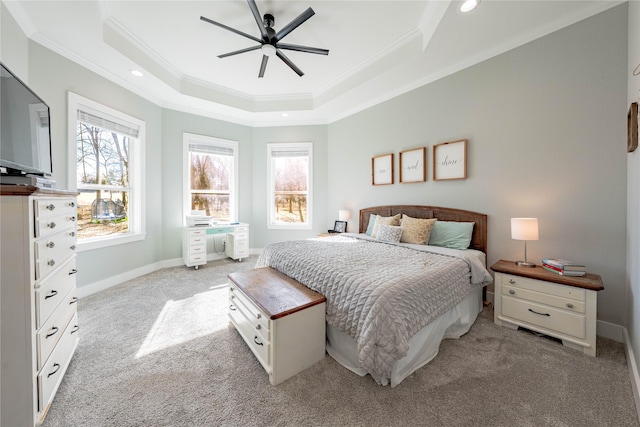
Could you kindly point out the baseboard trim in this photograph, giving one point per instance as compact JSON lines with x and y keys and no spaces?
{"x":633,"y":369}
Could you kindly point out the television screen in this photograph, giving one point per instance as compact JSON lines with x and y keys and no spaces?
{"x":25,"y":139}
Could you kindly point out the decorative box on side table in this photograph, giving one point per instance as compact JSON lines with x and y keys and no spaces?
{"x":281,"y":320}
{"x":559,"y":306}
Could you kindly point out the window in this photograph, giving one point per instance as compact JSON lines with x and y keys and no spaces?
{"x":210,"y":166}
{"x":107,"y":148}
{"x":290,"y":172}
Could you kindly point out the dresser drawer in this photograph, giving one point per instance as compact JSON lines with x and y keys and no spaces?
{"x":200,"y":248}
{"x":51,"y":251}
{"x":49,"y":335}
{"x":50,"y":207}
{"x":544,"y":316}
{"x":241,"y":229}
{"x":569,"y":292}
{"x":197,"y":258}
{"x":552,"y":300}
{"x":52,"y":291}
{"x":197,"y":232}
{"x":51,"y":374}
{"x":50,"y":225}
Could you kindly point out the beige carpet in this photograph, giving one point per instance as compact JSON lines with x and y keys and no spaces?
{"x":158,"y":351}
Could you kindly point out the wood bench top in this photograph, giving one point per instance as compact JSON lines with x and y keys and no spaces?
{"x":276,"y":294}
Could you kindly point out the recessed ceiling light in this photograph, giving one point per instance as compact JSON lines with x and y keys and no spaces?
{"x":468,"y":5}
{"x":137,"y":73}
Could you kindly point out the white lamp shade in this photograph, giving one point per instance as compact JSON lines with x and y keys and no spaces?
{"x":524,"y":228}
{"x":344,"y":215}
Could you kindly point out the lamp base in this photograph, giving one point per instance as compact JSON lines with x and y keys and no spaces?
{"x":525,"y":264}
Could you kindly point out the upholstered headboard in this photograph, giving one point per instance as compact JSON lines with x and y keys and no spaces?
{"x":478,"y":239}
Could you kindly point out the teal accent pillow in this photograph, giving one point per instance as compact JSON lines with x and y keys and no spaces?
{"x":372,"y":223}
{"x":451,"y":234}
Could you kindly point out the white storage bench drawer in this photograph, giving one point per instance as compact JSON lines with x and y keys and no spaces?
{"x":282,"y":321}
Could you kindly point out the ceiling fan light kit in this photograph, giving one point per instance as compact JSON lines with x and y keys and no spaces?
{"x":270,"y":44}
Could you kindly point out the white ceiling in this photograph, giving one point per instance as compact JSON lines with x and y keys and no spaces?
{"x":378,"y":49}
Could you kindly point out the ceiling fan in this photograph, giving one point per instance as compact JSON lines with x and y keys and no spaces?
{"x":270,"y":41}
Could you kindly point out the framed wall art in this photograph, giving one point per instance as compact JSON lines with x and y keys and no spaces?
{"x":632,"y":127}
{"x":382,"y":169}
{"x":413,"y":165}
{"x":450,"y":160}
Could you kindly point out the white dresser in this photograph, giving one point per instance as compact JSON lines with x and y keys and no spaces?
{"x":39,"y":322}
{"x":282,"y":321}
{"x":559,"y":306}
{"x":194,"y":242}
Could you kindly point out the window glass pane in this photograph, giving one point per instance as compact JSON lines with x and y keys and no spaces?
{"x":102,"y":213}
{"x":210,"y":171}
{"x":291,"y":180}
{"x":103,"y":181}
{"x":215,"y":205}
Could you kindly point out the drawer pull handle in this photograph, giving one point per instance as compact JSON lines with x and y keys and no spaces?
{"x":72,"y":234}
{"x":51,"y":207}
{"x":258,"y":316}
{"x":511,"y":281}
{"x":73,"y":271}
{"x":72,"y":204}
{"x":54,"y":331}
{"x":76,"y":328}
{"x":51,"y":225}
{"x":541,"y":314}
{"x":569,"y":305}
{"x":72,"y":247}
{"x":72,"y":218}
{"x":51,"y":263}
{"x":73,"y":300}
{"x":51,"y":294}
{"x":512,"y":292}
{"x":51,"y":245}
{"x":232,"y":307}
{"x":258,"y":327}
{"x":255,"y":340}
{"x":57,"y":368}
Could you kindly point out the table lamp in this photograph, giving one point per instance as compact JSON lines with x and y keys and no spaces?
{"x":344,"y":215}
{"x":524,"y":229}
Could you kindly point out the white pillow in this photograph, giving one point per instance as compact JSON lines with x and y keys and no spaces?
{"x":384,"y":220}
{"x":389,"y":233}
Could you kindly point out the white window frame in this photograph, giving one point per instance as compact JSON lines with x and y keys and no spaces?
{"x":192,"y":138}
{"x":288,"y":146}
{"x":136,"y":211}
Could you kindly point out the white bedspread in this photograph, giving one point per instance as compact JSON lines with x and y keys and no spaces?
{"x":381,"y":294}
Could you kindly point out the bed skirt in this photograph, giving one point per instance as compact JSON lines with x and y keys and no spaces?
{"x":423,"y":346}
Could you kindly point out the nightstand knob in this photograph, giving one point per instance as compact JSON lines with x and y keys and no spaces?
{"x":569,"y":305}
{"x":512,"y":292}
{"x":258,"y":327}
{"x":511,"y":281}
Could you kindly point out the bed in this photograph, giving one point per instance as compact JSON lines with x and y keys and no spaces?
{"x":389,"y":303}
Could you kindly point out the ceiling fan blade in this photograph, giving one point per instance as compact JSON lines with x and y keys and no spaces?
{"x":306,"y":49}
{"x":258,"y":18}
{"x":233,"y":30}
{"x":288,"y":62}
{"x":294,"y":24}
{"x":263,"y":66}
{"x":235,"y":52}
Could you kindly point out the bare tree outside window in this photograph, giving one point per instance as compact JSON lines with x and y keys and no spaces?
{"x":103,"y":181}
{"x":210,"y":183}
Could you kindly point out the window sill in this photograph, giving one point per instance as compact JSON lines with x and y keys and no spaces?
{"x":105,"y":242}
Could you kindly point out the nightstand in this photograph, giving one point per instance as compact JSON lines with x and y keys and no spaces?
{"x":559,"y":306}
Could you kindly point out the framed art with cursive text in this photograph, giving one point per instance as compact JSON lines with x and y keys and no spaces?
{"x":450,"y":160}
{"x":413,"y":165}
{"x":382,"y":169}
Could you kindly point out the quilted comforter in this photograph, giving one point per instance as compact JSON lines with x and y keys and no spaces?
{"x":379,"y":293}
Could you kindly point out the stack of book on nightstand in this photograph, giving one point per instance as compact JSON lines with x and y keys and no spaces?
{"x":563,"y":267}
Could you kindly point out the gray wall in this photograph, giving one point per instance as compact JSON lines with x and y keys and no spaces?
{"x":546,"y":139}
{"x":633,"y":192}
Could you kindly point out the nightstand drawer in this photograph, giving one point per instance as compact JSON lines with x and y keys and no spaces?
{"x":552,"y":300}
{"x":544,"y":316}
{"x":569,"y":292}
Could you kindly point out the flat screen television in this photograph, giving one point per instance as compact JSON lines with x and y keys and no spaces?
{"x":25,"y":137}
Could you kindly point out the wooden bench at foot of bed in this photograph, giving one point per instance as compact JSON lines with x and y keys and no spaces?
{"x":281,"y":320}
